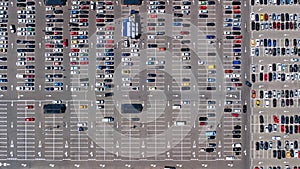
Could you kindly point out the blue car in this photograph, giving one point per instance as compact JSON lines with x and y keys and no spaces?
{"x":274,"y":43}
{"x":3,"y":80}
{"x":282,"y":119}
{"x":101,"y":67}
{"x":210,"y":36}
{"x":49,"y":88}
{"x":125,"y":54}
{"x":58,"y":84}
{"x":109,"y":63}
{"x":236,"y":67}
{"x":256,"y":17}
{"x":274,"y":17}
{"x":176,"y":24}
{"x":82,"y":37}
{"x":274,"y":76}
{"x":236,"y":28}
{"x":235,"y":62}
{"x":237,"y":50}
{"x":74,"y":12}
{"x":269,"y":43}
{"x":109,"y":54}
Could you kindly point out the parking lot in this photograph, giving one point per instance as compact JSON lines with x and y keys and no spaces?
{"x":274,"y":74}
{"x":184,"y":68}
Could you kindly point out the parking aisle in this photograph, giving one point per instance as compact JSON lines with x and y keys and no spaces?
{"x":26,"y":130}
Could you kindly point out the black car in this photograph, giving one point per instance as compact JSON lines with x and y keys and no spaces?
{"x":237,"y":127}
{"x":21,"y":5}
{"x":261,"y":119}
{"x":227,"y":110}
{"x":274,"y":153}
{"x":274,"y":103}
{"x":203,"y":16}
{"x":244,"y":108}
{"x":177,"y":7}
{"x":257,"y":26}
{"x":210,"y":24}
{"x":252,"y":25}
{"x":261,"y":127}
{"x":58,"y":11}
{"x":178,"y":14}
{"x":236,"y":136}
{"x":257,"y":146}
{"x":30,"y":3}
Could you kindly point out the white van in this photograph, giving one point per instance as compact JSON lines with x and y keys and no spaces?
{"x":180,"y":123}
{"x":229,"y":157}
{"x":176,"y":106}
{"x":108,"y":119}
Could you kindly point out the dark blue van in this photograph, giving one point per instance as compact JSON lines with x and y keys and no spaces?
{"x":210,"y":36}
{"x":236,"y":50}
{"x":236,"y":62}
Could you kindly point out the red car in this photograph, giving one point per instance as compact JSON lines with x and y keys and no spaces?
{"x":29,"y":58}
{"x":238,"y":37}
{"x":282,"y":128}
{"x":299,"y":129}
{"x":236,"y":7}
{"x":74,"y":50}
{"x":228,"y":71}
{"x":153,"y":16}
{"x":202,"y":7}
{"x":109,"y":28}
{"x":49,"y":45}
{"x":56,"y":63}
{"x":237,"y":41}
{"x":84,"y":63}
{"x":275,"y":118}
{"x":108,"y":45}
{"x":203,"y":123}
{"x":151,"y":28}
{"x":278,"y":25}
{"x":266,"y":77}
{"x":291,"y":25}
{"x":29,"y":76}
{"x":65,"y":42}
{"x":184,"y":32}
{"x":82,"y":20}
{"x":236,"y":11}
{"x":73,"y":33}
{"x":234,"y":115}
{"x":299,"y":152}
{"x":237,"y":84}
{"x":57,"y":33}
{"x":29,"y":107}
{"x":109,"y":41}
{"x":108,"y":3}
{"x":266,"y":17}
{"x":274,"y":25}
{"x":73,"y":63}
{"x":84,"y":7}
{"x":29,"y":119}
{"x":99,"y":20}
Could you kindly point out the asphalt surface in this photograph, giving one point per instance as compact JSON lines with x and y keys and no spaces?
{"x":83,"y":143}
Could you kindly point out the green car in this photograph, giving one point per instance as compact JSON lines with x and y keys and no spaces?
{"x":84,"y":54}
{"x":203,"y":3}
{"x":30,"y":29}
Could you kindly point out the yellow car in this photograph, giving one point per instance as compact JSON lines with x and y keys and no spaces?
{"x":185,"y":84}
{"x":152,"y":88}
{"x":252,"y":42}
{"x":83,"y":106}
{"x":261,"y":16}
{"x":288,"y":154}
{"x":257,"y":103}
{"x":74,"y":41}
{"x":125,"y":71}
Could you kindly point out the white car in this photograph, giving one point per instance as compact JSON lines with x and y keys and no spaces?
{"x":20,"y":88}
{"x":49,"y":8}
{"x":236,"y":145}
{"x":252,"y":16}
{"x":20,"y":63}
{"x":294,"y":60}
{"x":151,"y":37}
{"x":82,"y":124}
{"x":152,"y":88}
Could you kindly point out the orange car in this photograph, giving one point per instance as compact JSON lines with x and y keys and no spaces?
{"x":253,"y":94}
{"x":161,"y":49}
